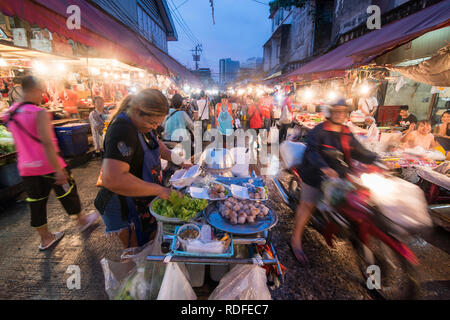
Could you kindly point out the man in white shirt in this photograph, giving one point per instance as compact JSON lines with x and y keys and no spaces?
{"x":203,"y":110}
{"x":368,"y":105}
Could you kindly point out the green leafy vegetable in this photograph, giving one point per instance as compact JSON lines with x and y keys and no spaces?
{"x":184,"y":208}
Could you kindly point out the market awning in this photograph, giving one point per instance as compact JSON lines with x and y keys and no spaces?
{"x":274,"y":75}
{"x":98,"y":30}
{"x":366,"y":48}
{"x":174,"y":66}
{"x":434,"y":71}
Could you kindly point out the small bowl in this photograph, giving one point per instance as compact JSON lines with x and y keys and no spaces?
{"x":189,"y":226}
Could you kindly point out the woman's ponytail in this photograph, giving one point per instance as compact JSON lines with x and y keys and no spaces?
{"x":123,"y":107}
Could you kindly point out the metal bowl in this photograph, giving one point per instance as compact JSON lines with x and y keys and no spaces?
{"x":217,"y":159}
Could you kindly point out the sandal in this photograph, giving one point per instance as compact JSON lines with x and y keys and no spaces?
{"x":91,"y":218}
{"x":57,"y":236}
{"x":296,"y":252}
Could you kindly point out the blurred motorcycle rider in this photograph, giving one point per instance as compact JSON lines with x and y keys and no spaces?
{"x":317,"y":164}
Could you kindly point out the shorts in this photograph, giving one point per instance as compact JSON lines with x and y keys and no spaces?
{"x":112,"y":217}
{"x":38,"y":189}
{"x":309,"y":193}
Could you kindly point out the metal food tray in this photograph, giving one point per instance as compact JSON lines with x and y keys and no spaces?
{"x":215,"y":219}
{"x":175,"y":252}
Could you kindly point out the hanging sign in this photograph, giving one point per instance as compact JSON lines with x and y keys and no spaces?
{"x":20,"y":37}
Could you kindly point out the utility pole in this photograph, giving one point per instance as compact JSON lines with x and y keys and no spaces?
{"x":196,"y":52}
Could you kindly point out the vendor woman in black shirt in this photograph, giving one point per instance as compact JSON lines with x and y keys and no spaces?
{"x":131,"y":169}
{"x":331,"y":135}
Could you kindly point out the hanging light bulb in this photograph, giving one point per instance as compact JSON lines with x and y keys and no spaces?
{"x":365,"y":89}
{"x":3,"y":62}
{"x":61,"y":67}
{"x":39,"y":67}
{"x":309,"y":94}
{"x":332,"y":95}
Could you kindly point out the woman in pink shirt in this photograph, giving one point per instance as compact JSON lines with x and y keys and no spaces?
{"x":39,"y":164}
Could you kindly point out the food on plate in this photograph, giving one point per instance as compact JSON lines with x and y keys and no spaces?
{"x":217,"y":191}
{"x":256,"y":193}
{"x":183,"y":208}
{"x":239,"y":211}
{"x":189,"y":234}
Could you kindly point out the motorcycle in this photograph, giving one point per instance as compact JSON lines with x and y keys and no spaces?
{"x":349,"y":212}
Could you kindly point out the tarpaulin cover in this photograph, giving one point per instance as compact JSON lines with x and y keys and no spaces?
{"x":366,"y":48}
{"x":98,"y":30}
{"x":434,"y":71}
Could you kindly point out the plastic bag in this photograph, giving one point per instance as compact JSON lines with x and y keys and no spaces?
{"x":292,"y":153}
{"x":198,"y":246}
{"x":176,"y":284}
{"x":401,"y":201}
{"x":243,"y":282}
{"x":137,"y":279}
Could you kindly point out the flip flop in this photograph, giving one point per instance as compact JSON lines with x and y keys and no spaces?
{"x":92,"y":218}
{"x":57,"y":236}
{"x":296,"y":252}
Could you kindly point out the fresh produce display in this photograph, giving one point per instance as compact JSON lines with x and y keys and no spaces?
{"x":182,"y":208}
{"x":6,"y":141}
{"x":310,"y":119}
{"x":242,"y":211}
{"x":217,"y":191}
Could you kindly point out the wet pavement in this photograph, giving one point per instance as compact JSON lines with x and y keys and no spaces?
{"x":26,"y":273}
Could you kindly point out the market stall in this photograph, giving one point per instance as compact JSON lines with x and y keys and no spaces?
{"x":222,"y":222}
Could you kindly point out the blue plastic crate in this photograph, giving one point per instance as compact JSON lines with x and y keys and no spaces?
{"x":176,"y":252}
{"x":73,"y":139}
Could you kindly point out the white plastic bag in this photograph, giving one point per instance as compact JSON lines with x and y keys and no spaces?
{"x":401,"y":201}
{"x":176,"y":284}
{"x":136,"y":279}
{"x":292,"y":153}
{"x":198,"y":246}
{"x":243,"y":282}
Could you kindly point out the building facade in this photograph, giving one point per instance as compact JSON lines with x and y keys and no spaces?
{"x":300,"y":34}
{"x":228,"y":70}
{"x":150,"y":18}
{"x":204,"y":75}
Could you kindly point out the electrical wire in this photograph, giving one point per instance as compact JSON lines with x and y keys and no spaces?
{"x":182,"y":4}
{"x":266,"y":4}
{"x":183,"y":23}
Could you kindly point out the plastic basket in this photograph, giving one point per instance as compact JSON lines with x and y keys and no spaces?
{"x":175,"y":252}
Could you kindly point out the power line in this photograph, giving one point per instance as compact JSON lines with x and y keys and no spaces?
{"x":179,"y":18}
{"x":182,"y":4}
{"x":266,"y":4}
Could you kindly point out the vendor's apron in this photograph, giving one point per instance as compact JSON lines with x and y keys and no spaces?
{"x":138,"y":208}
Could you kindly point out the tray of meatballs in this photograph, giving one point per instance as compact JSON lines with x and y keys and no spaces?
{"x":240,"y":216}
